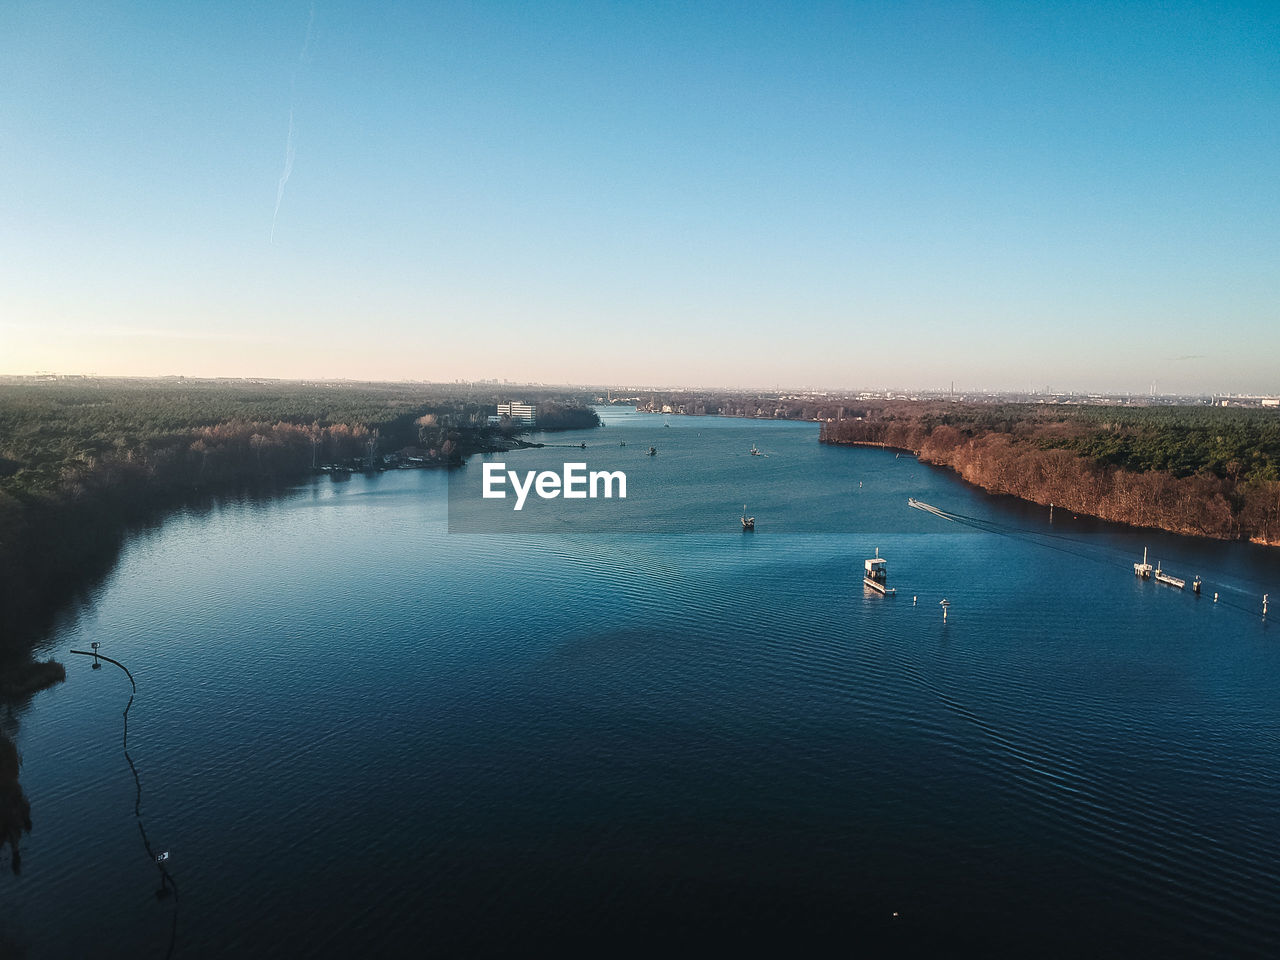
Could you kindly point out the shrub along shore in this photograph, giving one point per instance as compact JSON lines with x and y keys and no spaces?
{"x":1201,"y":471}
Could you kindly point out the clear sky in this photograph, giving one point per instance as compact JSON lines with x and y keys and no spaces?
{"x":1007,"y":195}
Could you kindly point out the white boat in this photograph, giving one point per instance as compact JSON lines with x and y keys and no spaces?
{"x":875,"y":575}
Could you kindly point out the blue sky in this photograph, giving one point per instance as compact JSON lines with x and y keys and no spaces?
{"x":1008,"y":195}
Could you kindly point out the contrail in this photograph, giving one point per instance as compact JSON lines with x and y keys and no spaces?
{"x":289,"y":140}
{"x":306,"y":44}
{"x":284,"y":177}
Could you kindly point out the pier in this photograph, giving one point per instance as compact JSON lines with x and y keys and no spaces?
{"x":1162,"y":577}
{"x":1143,"y":569}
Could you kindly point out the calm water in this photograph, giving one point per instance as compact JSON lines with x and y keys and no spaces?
{"x":359,"y":734}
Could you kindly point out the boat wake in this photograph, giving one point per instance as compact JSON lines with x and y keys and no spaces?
{"x":1094,"y":553}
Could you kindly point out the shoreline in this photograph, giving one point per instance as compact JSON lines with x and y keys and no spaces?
{"x":1088,"y":511}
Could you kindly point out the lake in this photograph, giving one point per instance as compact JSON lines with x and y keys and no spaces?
{"x":635,"y":728}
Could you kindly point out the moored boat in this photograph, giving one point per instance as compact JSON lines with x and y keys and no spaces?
{"x":875,"y":575}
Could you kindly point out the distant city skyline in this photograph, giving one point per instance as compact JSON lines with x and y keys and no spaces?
{"x":839,"y":196}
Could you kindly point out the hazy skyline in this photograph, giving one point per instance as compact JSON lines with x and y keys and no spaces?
{"x":835,"y":195}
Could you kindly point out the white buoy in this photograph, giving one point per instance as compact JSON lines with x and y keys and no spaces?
{"x":945,"y":604}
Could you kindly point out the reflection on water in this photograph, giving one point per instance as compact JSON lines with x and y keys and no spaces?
{"x":15,"y":810}
{"x":20,"y":680}
{"x":31,"y":620}
{"x":57,"y":608}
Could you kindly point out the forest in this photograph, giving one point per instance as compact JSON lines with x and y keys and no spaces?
{"x":1202,"y":471}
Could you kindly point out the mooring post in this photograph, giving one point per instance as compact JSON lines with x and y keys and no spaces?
{"x":96,"y":664}
{"x":945,"y":604}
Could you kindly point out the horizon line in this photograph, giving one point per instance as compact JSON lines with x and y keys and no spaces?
{"x":53,"y":376}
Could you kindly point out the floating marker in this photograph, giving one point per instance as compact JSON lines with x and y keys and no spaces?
{"x":945,"y":603}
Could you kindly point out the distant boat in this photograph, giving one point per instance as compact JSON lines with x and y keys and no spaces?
{"x":653,"y":451}
{"x":754,"y":451}
{"x":748,"y":523}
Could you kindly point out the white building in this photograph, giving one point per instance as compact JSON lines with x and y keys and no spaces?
{"x":518,"y":411}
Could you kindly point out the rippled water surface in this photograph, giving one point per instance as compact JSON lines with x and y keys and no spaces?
{"x":359,"y":734}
